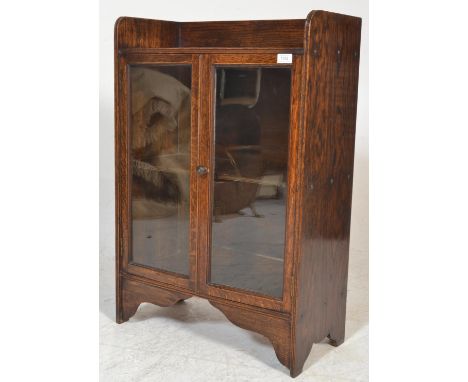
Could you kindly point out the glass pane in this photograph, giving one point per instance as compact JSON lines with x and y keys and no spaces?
{"x":160,"y":160}
{"x":251,"y":156}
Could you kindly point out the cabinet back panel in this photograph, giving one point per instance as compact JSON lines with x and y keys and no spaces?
{"x":264,"y":33}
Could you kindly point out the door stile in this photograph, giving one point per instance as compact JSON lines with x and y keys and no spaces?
{"x":205,"y":158}
{"x":194,"y":152}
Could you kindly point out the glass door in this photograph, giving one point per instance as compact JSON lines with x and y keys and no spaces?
{"x":251,"y":116}
{"x":161,"y":115}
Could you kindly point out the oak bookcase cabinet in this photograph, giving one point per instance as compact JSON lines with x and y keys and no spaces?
{"x":234,"y":150}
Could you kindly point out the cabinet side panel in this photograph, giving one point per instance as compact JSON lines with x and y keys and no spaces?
{"x":331,"y":69}
{"x":133,"y":32}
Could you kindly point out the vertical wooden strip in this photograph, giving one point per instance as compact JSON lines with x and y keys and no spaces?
{"x":293,"y":176}
{"x":195,"y":123}
{"x":118,"y":233}
{"x":203,"y":189}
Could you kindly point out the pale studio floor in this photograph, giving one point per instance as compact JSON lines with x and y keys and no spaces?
{"x":193,"y":341}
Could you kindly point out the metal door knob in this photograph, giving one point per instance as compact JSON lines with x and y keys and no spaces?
{"x":202,"y":170}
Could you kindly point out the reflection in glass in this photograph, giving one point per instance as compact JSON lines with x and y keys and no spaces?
{"x":251,"y":151}
{"x":160,"y":158}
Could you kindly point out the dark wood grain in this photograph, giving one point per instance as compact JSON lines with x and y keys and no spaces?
{"x":260,"y":33}
{"x":325,"y":47}
{"x":331,"y":68}
{"x":135,"y":293}
{"x":208,"y":50}
{"x":144,"y":33}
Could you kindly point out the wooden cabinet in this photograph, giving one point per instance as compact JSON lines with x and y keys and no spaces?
{"x":234,"y":150}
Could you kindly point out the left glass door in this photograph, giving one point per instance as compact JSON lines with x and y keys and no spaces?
{"x":161,"y":128}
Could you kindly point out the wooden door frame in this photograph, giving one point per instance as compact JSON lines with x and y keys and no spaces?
{"x":205,"y":189}
{"x":124,"y":171}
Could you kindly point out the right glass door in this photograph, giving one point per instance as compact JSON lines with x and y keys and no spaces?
{"x":251,"y":116}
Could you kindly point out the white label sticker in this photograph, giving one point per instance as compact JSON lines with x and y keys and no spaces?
{"x":284,"y":58}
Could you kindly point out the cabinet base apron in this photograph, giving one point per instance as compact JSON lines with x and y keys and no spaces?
{"x":276,"y":327}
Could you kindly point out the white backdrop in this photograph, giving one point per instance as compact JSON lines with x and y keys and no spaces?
{"x":202,"y":10}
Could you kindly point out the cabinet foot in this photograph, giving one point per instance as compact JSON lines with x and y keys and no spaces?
{"x":336,"y":339}
{"x":134,"y":293}
{"x":295,"y":371}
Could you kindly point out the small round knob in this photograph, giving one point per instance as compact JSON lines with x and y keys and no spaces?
{"x":202,"y":170}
